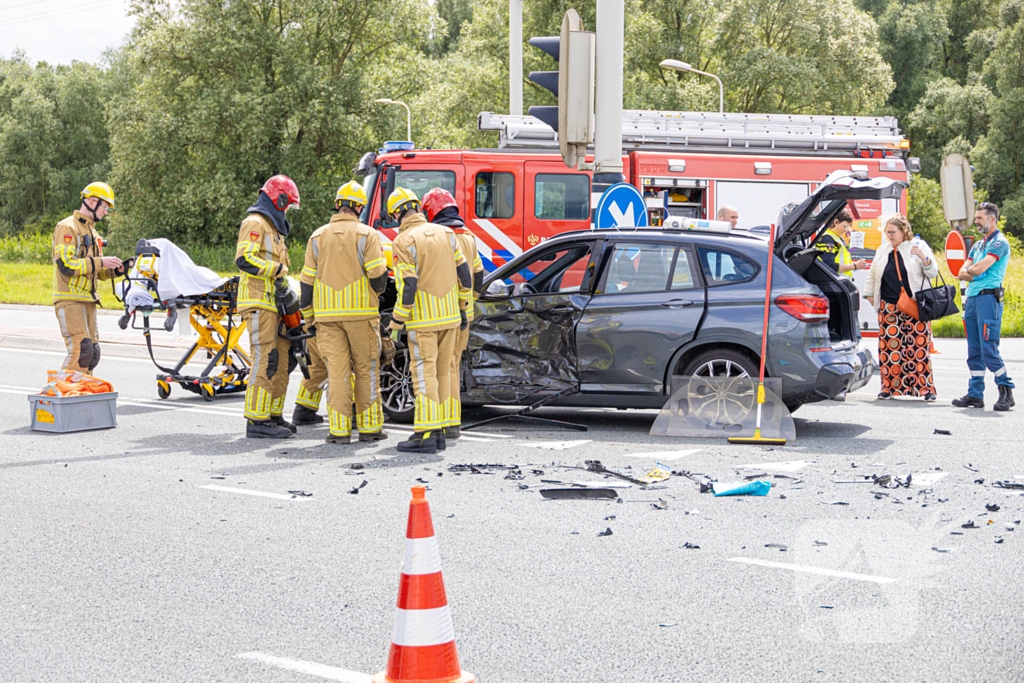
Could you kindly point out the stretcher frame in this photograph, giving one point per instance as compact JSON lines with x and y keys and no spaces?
{"x":212,"y":315}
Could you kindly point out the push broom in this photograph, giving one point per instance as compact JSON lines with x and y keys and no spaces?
{"x":757,"y":438}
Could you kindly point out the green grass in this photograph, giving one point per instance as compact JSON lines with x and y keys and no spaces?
{"x":32,"y":283}
{"x":1013,"y":308}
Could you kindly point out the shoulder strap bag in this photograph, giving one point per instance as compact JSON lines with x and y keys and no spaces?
{"x":936,"y":302}
{"x":906,"y":305}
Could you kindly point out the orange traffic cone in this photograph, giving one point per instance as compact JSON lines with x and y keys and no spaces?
{"x":423,"y":640}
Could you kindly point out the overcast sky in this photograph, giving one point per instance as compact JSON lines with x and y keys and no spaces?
{"x":62,"y":31}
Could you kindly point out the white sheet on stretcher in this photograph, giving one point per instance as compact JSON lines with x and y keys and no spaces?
{"x":177,"y":276}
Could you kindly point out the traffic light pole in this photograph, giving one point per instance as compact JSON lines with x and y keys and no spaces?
{"x":608,"y":95}
{"x":515,"y":57}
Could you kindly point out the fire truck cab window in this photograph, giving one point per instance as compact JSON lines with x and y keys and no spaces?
{"x":422,"y":182}
{"x":562,"y":197}
{"x":495,"y":195}
{"x":724,"y":267}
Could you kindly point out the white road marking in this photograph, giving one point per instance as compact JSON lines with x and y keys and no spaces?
{"x":331,"y":673}
{"x":791,"y":466}
{"x":228,"y":489}
{"x":557,"y":445}
{"x":662,"y":455}
{"x":813,"y":570}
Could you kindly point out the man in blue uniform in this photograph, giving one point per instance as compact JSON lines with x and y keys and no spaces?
{"x":985,"y":269}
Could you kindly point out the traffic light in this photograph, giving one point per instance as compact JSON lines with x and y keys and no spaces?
{"x":573,"y":84}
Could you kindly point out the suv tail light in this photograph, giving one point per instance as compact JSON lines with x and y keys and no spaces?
{"x":806,"y":308}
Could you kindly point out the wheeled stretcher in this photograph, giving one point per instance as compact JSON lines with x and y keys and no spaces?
{"x":164,"y":278}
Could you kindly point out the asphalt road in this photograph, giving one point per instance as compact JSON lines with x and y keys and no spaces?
{"x":117,"y":562}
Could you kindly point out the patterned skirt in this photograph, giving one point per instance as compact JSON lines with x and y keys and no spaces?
{"x":904,"y":356}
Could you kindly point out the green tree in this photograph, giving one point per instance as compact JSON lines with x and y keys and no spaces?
{"x":53,"y":138}
{"x":1000,"y":154}
{"x":924,"y":210}
{"x":221,"y":96}
{"x":949,"y":118}
{"x":912,"y":34}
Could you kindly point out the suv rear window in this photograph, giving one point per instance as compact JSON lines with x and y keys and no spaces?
{"x":725,"y":267}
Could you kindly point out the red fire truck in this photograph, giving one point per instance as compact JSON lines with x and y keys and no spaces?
{"x":686,"y":164}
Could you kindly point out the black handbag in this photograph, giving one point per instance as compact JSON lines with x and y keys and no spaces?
{"x":936,"y":302}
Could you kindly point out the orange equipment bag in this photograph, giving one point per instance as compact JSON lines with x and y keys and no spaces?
{"x":63,"y":383}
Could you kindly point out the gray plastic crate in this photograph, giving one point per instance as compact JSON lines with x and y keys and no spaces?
{"x":72,"y":413}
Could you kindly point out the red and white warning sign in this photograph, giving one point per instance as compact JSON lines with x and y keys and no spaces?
{"x":956,"y":252}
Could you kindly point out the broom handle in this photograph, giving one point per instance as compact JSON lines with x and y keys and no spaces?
{"x":767,"y":304}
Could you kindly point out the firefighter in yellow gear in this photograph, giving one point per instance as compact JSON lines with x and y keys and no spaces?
{"x":311,"y":389}
{"x":78,"y":262}
{"x":440,"y":208}
{"x":262,"y":258}
{"x":344,"y":273}
{"x":434,"y":282}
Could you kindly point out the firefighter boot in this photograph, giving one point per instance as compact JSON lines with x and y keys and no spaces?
{"x":265,"y":429}
{"x":373,"y":436}
{"x":442,"y":442}
{"x":305,"y":416}
{"x":281,"y":422}
{"x":336,"y":438}
{"x":1005,"y":401}
{"x":420,"y":442}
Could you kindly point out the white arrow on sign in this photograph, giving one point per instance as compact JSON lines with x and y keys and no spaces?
{"x":622,"y":219}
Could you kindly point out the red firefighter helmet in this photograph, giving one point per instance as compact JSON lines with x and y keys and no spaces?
{"x":435,"y":200}
{"x":282,"y":190}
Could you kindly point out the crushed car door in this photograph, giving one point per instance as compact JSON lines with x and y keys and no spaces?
{"x":648,"y":302}
{"x":522,"y":339}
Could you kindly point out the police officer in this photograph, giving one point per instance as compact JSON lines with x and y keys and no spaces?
{"x":434,"y":284}
{"x":441,"y":209}
{"x":262,"y":257}
{"x":833,"y":245}
{"x":78,"y":261}
{"x":344,"y":273}
{"x":985,"y":269}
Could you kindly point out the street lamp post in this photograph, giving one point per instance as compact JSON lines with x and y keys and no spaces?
{"x":408,"y":115}
{"x":677,"y":65}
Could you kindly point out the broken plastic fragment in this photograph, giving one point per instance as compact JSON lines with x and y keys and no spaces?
{"x":690,"y":546}
{"x":356,"y":489}
{"x":579,"y":494}
{"x":753,"y":488}
{"x":606,"y":532}
{"x":943,"y":432}
{"x":992,"y":507}
{"x":301,"y":494}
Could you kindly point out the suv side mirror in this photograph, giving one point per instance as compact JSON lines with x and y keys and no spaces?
{"x":497,"y":290}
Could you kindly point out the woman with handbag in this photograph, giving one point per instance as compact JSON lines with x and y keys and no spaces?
{"x":898,"y":271}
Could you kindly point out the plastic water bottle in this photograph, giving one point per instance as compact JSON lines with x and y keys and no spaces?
{"x":922,"y":245}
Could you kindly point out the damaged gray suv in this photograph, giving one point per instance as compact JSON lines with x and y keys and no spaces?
{"x":607,"y":318}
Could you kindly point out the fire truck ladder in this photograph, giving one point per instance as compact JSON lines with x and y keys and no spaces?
{"x":712,"y":131}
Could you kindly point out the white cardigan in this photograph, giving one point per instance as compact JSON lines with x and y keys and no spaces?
{"x":917,"y":275}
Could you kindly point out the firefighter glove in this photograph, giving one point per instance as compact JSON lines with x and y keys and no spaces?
{"x":387,"y":350}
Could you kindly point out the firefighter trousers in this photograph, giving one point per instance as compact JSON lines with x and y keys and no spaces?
{"x":352,"y":347}
{"x":453,"y":406}
{"x":81,"y":335}
{"x":430,"y":361}
{"x":268,"y":379}
{"x":312,"y":389}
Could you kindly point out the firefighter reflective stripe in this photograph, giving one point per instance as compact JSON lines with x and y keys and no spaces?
{"x":351,"y":301}
{"x":277,"y":405}
{"x":309,"y":272}
{"x":432,"y":310}
{"x":376,"y":263}
{"x":68,"y":254}
{"x":371,"y":420}
{"x":340,"y":424}
{"x":309,"y":399}
{"x":452,"y":412}
{"x":257,"y":403}
{"x":263,"y":262}
{"x":429,"y":414}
